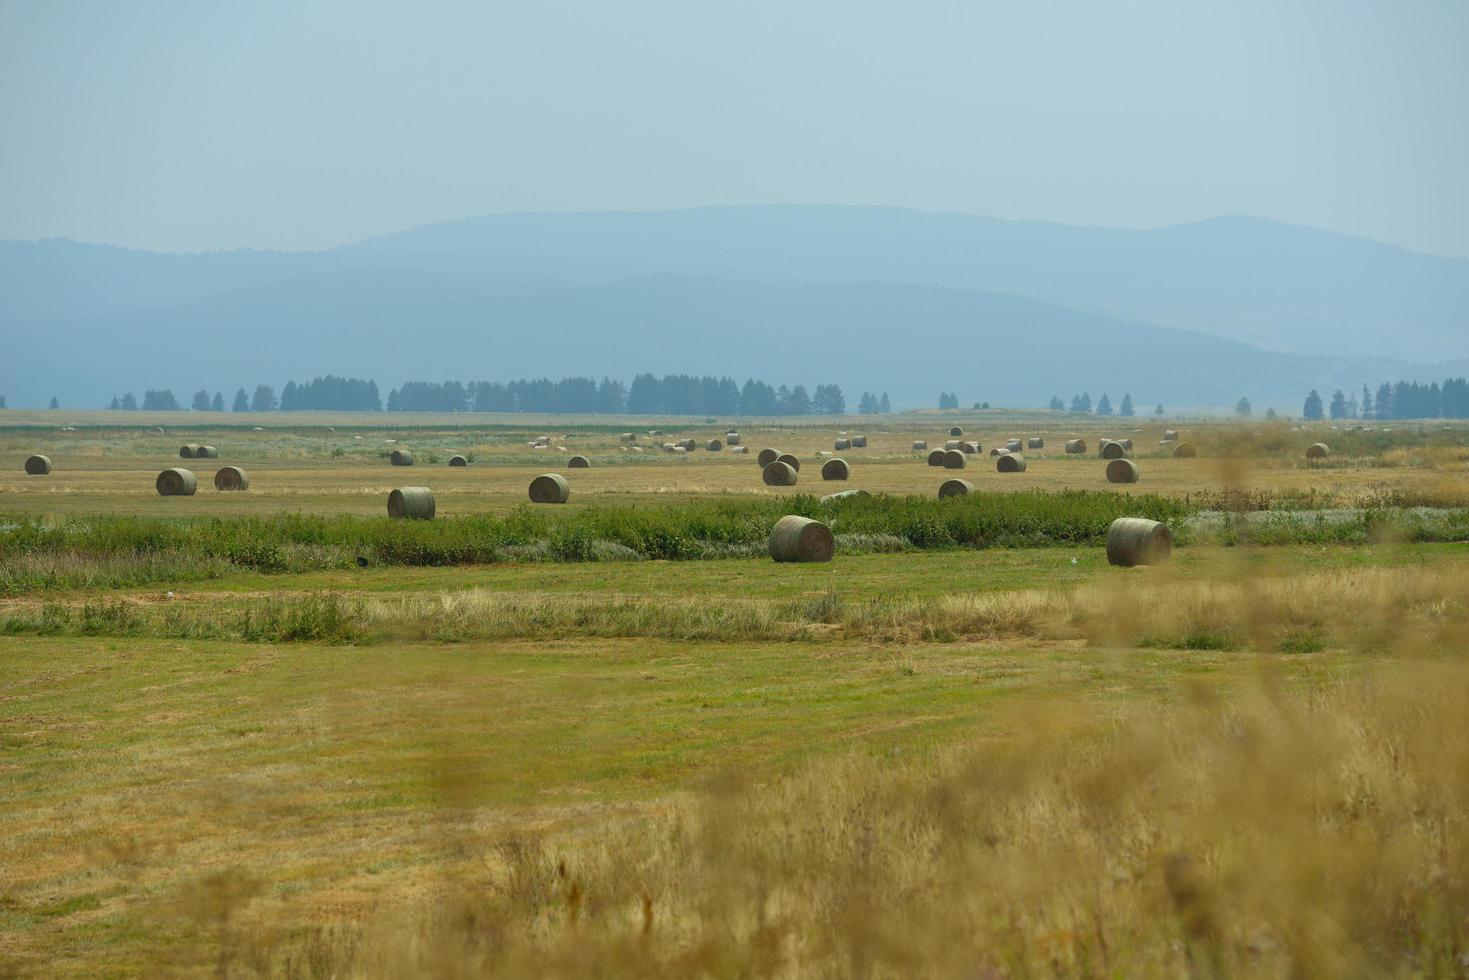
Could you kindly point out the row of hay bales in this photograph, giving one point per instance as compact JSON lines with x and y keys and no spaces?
{"x":179,"y":482}
{"x":193,"y":450}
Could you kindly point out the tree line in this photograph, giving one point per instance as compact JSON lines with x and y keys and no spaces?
{"x":673,"y":394}
{"x":1082,"y":405}
{"x":1394,"y":400}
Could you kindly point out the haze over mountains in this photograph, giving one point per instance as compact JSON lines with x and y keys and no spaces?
{"x":881,"y":299}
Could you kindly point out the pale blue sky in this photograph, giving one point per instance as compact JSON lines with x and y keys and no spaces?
{"x":185,"y":125}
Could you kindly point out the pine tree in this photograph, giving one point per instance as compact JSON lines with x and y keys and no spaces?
{"x":1242,"y":408}
{"x":129,"y":403}
{"x":1382,"y":407}
{"x":264,"y":400}
{"x":217,"y":403}
{"x":54,"y":402}
{"x":1270,"y":414}
{"x":798,"y":402}
{"x":1312,"y":410}
{"x":393,"y":402}
{"x":1104,"y":405}
{"x":883,"y":405}
{"x":115,"y":404}
{"x":1338,"y":405}
{"x":1366,"y":408}
{"x":867,"y":404}
{"x":242,"y":402}
{"x":201,"y":401}
{"x":1056,"y":404}
{"x":2,"y":401}
{"x":1158,"y":411}
{"x":1126,"y":409}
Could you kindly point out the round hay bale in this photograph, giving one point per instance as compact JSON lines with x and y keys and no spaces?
{"x":956,"y":431}
{"x":1013,"y":445}
{"x":457,"y":460}
{"x":779,"y":474}
{"x":578,"y":463}
{"x":627,"y":437}
{"x":1010,"y":463}
{"x":1075,"y":446}
{"x":714,"y":445}
{"x":680,"y":450}
{"x":790,"y":461}
{"x":415,"y":503}
{"x":1170,"y":435}
{"x":1318,"y":450}
{"x":835,"y":468}
{"x":801,"y":539}
{"x":953,"y":444}
{"x":955,"y":488}
{"x":206,"y":452}
{"x":740,"y":450}
{"x":401,"y":457}
{"x":1035,"y":442}
{"x":1185,"y":450}
{"x":936,"y":458}
{"x":1138,"y":541}
{"x":689,"y":445}
{"x":954,"y":459}
{"x":231,"y":478}
{"x":1112,"y":450}
{"x":841,"y":444}
{"x":732,"y":438}
{"x":970,"y":448}
{"x":767,"y":456}
{"x":550,"y":488}
{"x":1126,"y":444}
{"x":176,"y":483}
{"x":1121,"y":471}
{"x":38,"y":465}
{"x":920,"y":445}
{"x":997,"y":451}
{"x":832,"y":498}
{"x":188,"y":451}
{"x":859,"y":442}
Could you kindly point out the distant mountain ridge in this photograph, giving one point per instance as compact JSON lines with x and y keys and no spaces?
{"x":705,"y":290}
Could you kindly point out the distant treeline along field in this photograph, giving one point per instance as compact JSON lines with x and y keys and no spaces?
{"x":683,"y":394}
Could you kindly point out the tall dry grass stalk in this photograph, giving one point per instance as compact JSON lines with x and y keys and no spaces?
{"x":1284,"y":833}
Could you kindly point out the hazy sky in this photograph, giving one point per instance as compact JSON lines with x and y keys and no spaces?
{"x":185,"y":125}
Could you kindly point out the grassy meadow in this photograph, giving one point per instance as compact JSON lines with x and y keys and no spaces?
{"x":274,"y":733}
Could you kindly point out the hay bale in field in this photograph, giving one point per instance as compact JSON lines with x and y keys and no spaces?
{"x":680,"y":450}
{"x":954,"y":444}
{"x":955,"y":488}
{"x":956,"y":431}
{"x":457,"y":460}
{"x":401,"y":457}
{"x":920,"y":445}
{"x":954,"y":459}
{"x":206,"y":452}
{"x":835,"y":469}
{"x":1122,"y":471}
{"x":627,"y":437}
{"x":740,"y":450}
{"x":689,"y":445}
{"x":779,"y":474}
{"x":231,"y":478}
{"x":970,"y":448}
{"x":936,"y":458}
{"x":187,"y":451}
{"x":1075,"y":446}
{"x":842,"y":444}
{"x":1126,"y":444}
{"x":801,"y":539}
{"x":1170,"y":435}
{"x":1010,"y":463}
{"x":256,"y":429}
{"x":1035,"y":442}
{"x":1013,"y":445}
{"x":732,"y":438}
{"x":38,"y":465}
{"x":767,"y":456}
{"x":1112,"y":450}
{"x":859,"y":442}
{"x":550,"y":488}
{"x":997,"y":451}
{"x":790,"y":461}
{"x":1185,"y":450}
{"x":1318,"y":450}
{"x":832,"y":498}
{"x":1138,"y":541}
{"x":176,"y":483}
{"x":714,"y":445}
{"x":413,"y":503}
{"x":578,"y":463}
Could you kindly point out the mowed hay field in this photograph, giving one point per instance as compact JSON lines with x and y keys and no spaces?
{"x":243,"y":735}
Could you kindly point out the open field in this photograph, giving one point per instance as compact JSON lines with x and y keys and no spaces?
{"x":276,"y":734}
